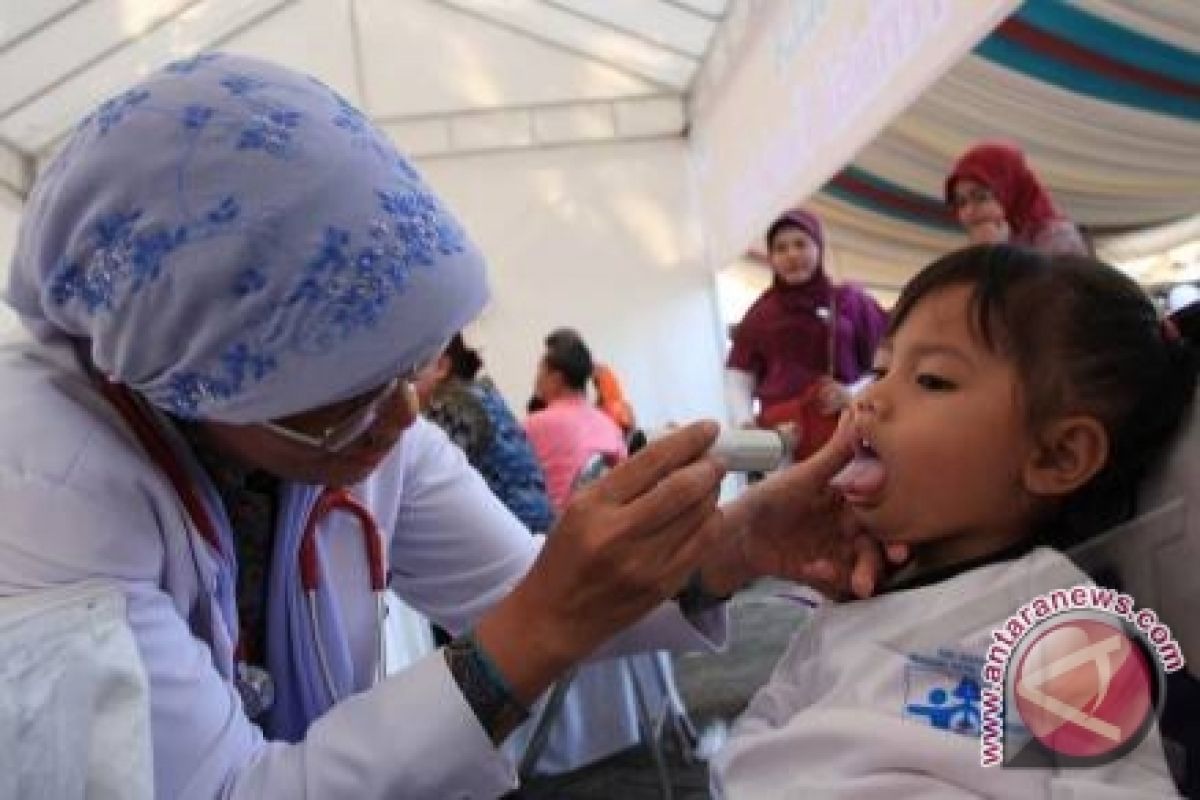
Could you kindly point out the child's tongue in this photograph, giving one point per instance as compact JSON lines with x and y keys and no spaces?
{"x":861,"y":477}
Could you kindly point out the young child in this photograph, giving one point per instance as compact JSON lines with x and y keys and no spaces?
{"x":1019,"y":399}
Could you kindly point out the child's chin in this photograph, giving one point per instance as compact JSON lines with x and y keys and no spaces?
{"x":874,"y":520}
{"x":887,"y":532}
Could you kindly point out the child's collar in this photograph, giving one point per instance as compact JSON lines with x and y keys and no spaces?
{"x":938,"y":574}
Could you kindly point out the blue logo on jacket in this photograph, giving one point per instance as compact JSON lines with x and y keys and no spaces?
{"x":960,"y":715}
{"x":943,"y":691}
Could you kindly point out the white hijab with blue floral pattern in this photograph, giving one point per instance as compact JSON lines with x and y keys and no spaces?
{"x":236,"y":242}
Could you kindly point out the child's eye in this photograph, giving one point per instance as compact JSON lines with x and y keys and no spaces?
{"x":877,"y":373}
{"x":934,"y":383}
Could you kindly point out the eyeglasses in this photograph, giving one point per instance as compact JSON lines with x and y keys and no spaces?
{"x":977,"y":196}
{"x":339,"y":435}
{"x":358,"y":421}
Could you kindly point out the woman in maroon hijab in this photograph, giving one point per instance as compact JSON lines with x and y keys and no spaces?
{"x":997,"y":198}
{"x":803,"y":340}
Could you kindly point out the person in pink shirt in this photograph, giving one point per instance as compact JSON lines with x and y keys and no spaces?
{"x":569,"y":429}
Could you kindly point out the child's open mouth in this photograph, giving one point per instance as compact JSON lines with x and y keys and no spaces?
{"x":861,"y":480}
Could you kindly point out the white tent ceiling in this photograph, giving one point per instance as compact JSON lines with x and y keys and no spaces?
{"x":447,"y":77}
{"x":442,"y":76}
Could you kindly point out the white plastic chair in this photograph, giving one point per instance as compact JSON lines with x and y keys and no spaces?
{"x":1156,"y":559}
{"x":1156,"y":555}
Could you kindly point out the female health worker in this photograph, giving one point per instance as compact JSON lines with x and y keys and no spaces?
{"x":228,"y":276}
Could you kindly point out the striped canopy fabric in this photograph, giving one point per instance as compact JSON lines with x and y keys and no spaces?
{"x":1102,"y":95}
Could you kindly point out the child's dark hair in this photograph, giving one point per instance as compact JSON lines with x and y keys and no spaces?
{"x":1084,"y":339}
{"x":567,"y":354}
{"x":465,"y":362}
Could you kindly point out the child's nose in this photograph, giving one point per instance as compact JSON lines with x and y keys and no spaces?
{"x":869,"y":402}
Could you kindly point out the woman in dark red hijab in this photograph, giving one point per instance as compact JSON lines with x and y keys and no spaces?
{"x":997,"y":198}
{"x":786,"y":342}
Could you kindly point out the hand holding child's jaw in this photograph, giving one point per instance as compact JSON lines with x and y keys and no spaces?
{"x":794,"y":526}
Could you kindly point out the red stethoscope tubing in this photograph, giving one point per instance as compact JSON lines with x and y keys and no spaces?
{"x":156,"y":446}
{"x":330,"y":500}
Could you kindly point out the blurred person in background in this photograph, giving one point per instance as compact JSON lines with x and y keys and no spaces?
{"x":997,"y":198}
{"x":569,"y":430}
{"x":802,"y":342}
{"x":470,"y":409}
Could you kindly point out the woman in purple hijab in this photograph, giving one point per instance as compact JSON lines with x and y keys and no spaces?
{"x":803,"y":332}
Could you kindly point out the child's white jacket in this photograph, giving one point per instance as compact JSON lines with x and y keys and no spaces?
{"x":869,"y":702}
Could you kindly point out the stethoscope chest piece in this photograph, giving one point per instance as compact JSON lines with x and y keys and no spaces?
{"x":256,"y":688}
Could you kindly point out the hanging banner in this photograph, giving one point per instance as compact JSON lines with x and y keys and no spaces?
{"x":808,"y":85}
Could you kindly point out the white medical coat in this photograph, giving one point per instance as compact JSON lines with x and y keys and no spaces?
{"x":841,"y":718}
{"x":68,"y":658}
{"x":80,"y":501}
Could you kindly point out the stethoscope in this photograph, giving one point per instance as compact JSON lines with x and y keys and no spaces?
{"x":328,"y":502}
{"x":253,"y":683}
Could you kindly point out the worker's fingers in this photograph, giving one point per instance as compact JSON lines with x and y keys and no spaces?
{"x":657,"y":460}
{"x":691,"y":486}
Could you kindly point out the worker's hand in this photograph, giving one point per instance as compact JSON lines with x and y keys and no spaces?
{"x":793,"y":526}
{"x":624,"y":544}
{"x":833,"y":397}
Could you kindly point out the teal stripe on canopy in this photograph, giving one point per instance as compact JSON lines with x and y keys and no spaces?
{"x":1087,"y":82}
{"x":1117,"y":42}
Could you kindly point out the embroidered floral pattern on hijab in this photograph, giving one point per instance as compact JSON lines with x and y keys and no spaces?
{"x":222,"y":232}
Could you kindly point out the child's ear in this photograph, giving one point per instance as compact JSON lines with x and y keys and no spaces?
{"x":1069,"y":452}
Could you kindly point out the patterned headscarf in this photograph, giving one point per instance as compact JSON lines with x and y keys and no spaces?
{"x":236,"y":242}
